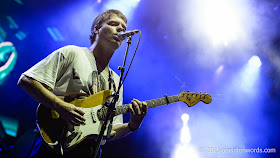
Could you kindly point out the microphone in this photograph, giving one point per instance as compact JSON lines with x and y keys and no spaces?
{"x":123,"y":35}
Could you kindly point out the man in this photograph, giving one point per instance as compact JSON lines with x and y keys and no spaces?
{"x":74,"y":72}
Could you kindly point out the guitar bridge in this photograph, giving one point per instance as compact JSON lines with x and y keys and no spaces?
{"x":70,"y":138}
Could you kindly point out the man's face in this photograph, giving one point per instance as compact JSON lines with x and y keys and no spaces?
{"x":109,"y":30}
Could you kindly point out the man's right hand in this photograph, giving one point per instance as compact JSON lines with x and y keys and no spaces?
{"x":71,"y":114}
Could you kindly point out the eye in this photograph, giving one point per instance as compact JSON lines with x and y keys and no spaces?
{"x":113,"y":23}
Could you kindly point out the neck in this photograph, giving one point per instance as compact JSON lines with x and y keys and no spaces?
{"x":102,"y":56}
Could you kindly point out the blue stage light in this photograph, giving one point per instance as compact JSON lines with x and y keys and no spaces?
{"x":13,"y":24}
{"x":9,"y":62}
{"x":54,"y":32}
{"x":10,"y":125}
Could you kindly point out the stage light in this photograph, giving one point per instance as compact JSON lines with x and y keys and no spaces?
{"x":185,"y":118}
{"x":56,"y":35}
{"x":13,"y":24}
{"x":220,"y":21}
{"x":185,"y":131}
{"x":5,"y":69}
{"x":184,"y":148}
{"x":10,"y":125}
{"x":19,"y":2}
{"x":248,"y":79}
{"x":3,"y":34}
{"x":20,"y":35}
{"x":255,"y":61}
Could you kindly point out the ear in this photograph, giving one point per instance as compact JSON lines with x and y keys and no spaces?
{"x":96,"y":30}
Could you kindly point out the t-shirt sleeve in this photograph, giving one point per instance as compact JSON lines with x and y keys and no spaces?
{"x":46,"y":71}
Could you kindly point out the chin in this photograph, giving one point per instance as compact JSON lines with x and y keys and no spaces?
{"x":114,"y":46}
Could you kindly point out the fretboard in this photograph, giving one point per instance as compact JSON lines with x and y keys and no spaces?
{"x":150,"y":103}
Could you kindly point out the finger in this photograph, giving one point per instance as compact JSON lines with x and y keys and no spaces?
{"x":79,"y":122}
{"x":75,"y":123}
{"x":144,"y":107}
{"x":70,"y":122}
{"x":75,"y":120}
{"x":81,"y":112}
{"x":139,"y":105}
{"x":75,"y":116}
{"x":131,"y":109}
{"x":135,"y":107}
{"x":79,"y":115}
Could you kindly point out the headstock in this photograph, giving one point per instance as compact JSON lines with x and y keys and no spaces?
{"x":192,"y":98}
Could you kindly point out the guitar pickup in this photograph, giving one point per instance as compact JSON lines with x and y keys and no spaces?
{"x":79,"y":135}
{"x":92,"y":116}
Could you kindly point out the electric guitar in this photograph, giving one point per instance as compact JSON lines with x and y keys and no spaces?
{"x":57,"y":134}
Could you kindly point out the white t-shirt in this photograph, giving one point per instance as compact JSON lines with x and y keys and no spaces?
{"x":72,"y":71}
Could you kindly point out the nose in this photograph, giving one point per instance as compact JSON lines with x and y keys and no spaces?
{"x":120,"y":29}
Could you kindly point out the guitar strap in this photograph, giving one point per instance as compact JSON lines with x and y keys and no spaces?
{"x":111,"y":81}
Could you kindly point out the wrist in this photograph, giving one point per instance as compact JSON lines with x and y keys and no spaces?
{"x":58,"y":105}
{"x":132,"y":129}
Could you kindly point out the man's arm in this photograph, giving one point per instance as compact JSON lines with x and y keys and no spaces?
{"x":138,"y":111}
{"x":72,"y":115}
{"x":69,"y":112}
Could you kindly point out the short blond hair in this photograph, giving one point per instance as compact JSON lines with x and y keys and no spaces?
{"x":101,"y":18}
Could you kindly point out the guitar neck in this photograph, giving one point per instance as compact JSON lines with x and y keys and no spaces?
{"x":150,"y":103}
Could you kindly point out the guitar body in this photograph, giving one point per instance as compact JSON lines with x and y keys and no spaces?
{"x":50,"y":126}
{"x":57,"y":133}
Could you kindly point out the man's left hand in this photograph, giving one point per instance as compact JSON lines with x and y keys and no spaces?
{"x":138,"y":110}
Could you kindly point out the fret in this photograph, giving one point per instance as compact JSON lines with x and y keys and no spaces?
{"x":150,"y":103}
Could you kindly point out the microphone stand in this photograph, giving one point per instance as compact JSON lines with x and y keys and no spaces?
{"x":111,"y":110}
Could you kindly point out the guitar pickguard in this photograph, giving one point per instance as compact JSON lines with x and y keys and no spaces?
{"x":90,"y":130}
